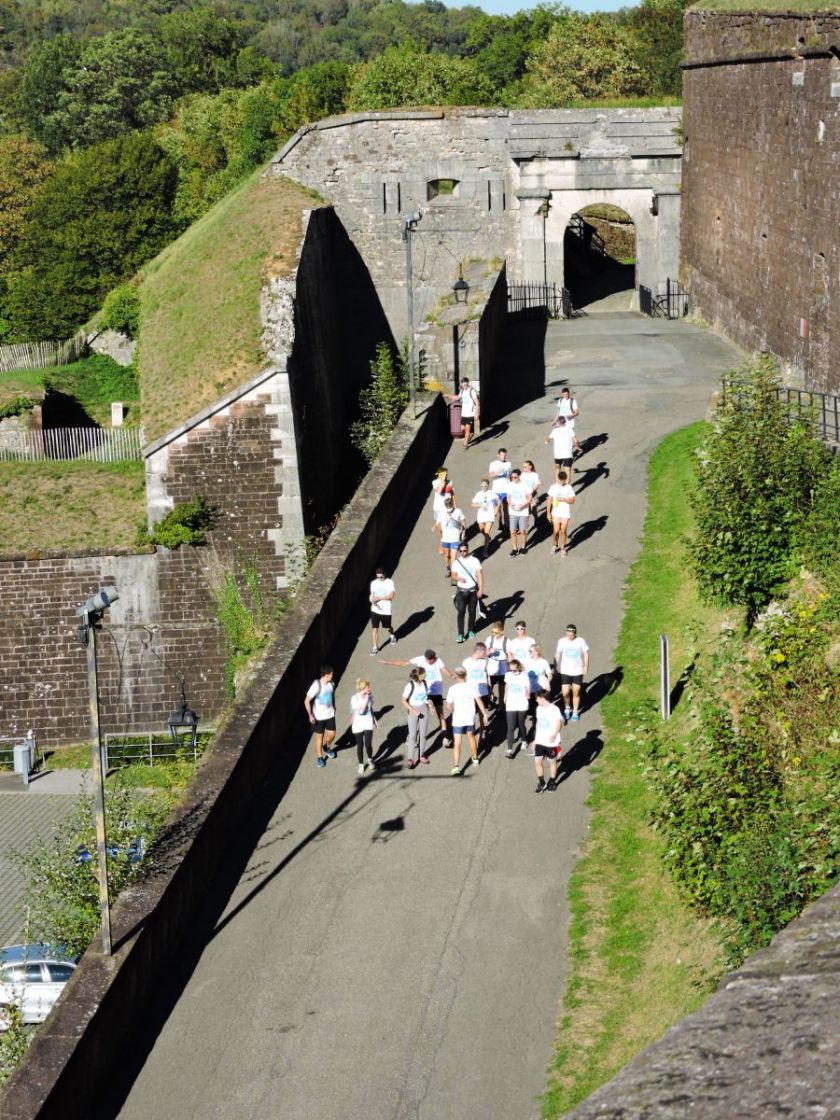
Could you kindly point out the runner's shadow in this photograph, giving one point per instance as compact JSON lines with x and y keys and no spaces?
{"x":415,"y":621}
{"x":493,"y":432}
{"x":541,"y":532}
{"x":603,"y":685}
{"x":591,"y":442}
{"x":592,"y":474}
{"x":393,"y":740}
{"x":583,"y":753}
{"x":505,"y":607}
{"x":588,"y":529}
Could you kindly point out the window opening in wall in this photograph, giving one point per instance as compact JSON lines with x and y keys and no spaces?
{"x":442,"y":188}
{"x":820,"y":280}
{"x":504,"y":200}
{"x":489,"y":196}
{"x":834,"y":76}
{"x":384,"y":198}
{"x":599,"y":252}
{"x":399,"y":199}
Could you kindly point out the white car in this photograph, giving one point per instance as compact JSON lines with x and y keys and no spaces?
{"x":32,"y":977}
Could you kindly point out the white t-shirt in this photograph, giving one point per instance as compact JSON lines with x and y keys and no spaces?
{"x":440,"y":486}
{"x":469,"y":400}
{"x":518,"y":648}
{"x":452,"y":522}
{"x":477,"y":675}
{"x":530,"y":479}
{"x":560,"y":509}
{"x":566,"y":408}
{"x":322,"y":693}
{"x":518,"y":497}
{"x":462,"y":700}
{"x":563,"y":439}
{"x":547,"y":727}
{"x":379,"y":588}
{"x":570,"y":652}
{"x":416,"y":693}
{"x":496,"y":654}
{"x":500,"y":474}
{"x":361,"y":705}
{"x":539,"y":672}
{"x":518,"y":690}
{"x":434,"y":673}
{"x":465,"y":569}
{"x":487,"y":503}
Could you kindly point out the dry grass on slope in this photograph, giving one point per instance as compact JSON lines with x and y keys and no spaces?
{"x":200,"y":299}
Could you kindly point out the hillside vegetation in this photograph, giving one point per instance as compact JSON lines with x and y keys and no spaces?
{"x":200,"y":299}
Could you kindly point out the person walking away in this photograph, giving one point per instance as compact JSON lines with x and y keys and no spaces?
{"x":547,"y":741}
{"x":499,"y":471}
{"x":572,"y":661}
{"x":382,"y":593}
{"x":519,"y":508}
{"x":363,"y":724}
{"x":558,"y":510}
{"x":462,"y":704}
{"x":521,"y":643}
{"x":470,"y":409}
{"x":487,"y":503}
{"x":468,"y":573}
{"x":441,"y":489}
{"x":320,"y":708}
{"x":563,"y":442}
{"x":415,"y":700}
{"x":435,"y":672}
{"x":477,"y":668}
{"x":497,"y":662}
{"x":531,"y":479}
{"x":453,"y":523}
{"x":517,"y":697}
{"x":567,"y":407}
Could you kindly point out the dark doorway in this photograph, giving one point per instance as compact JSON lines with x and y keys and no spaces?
{"x":599,"y":251}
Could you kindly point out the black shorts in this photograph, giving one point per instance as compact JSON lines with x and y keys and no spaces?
{"x":437,"y":701}
{"x":322,"y":725}
{"x":377,"y":620}
{"x":567,"y":678}
{"x":563,"y":463}
{"x":545,"y":752}
{"x":468,"y":420}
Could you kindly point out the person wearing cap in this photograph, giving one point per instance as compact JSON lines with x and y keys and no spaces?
{"x":382,"y":593}
{"x":435,"y":672}
{"x":567,"y":407}
{"x":572,"y":661}
{"x":452,"y":526}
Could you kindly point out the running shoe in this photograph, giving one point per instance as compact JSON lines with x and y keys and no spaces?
{"x":567,"y":714}
{"x":424,"y":759}
{"x":329,"y":752}
{"x":575,"y":717}
{"x":471,"y":634}
{"x":562,"y":553}
{"x":455,"y":770}
{"x":541,"y":787}
{"x":556,"y":548}
{"x":551,"y":785}
{"x":510,"y":754}
{"x":374,"y":651}
{"x":411,"y":764}
{"x":320,"y":762}
{"x":361,"y":768}
{"x":460,"y":638}
{"x":514,"y":551}
{"x":475,"y":761}
{"x":393,"y":639}
{"x":371,"y":765}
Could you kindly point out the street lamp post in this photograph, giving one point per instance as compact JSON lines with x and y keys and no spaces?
{"x":409,"y":226}
{"x":91,"y":613}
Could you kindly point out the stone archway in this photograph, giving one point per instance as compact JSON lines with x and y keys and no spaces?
{"x":599,"y":256}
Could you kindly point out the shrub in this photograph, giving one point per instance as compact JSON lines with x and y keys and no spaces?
{"x":121,"y":310}
{"x":187,"y":523}
{"x":13,"y":1042}
{"x":16,"y":407}
{"x":819,"y":533}
{"x":94,"y":381}
{"x":756,"y":476}
{"x":381,"y":403}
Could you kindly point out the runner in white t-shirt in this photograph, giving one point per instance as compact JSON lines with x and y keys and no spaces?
{"x":470,"y":409}
{"x":320,"y":708}
{"x":563,"y":442}
{"x":572,"y":661}
{"x":363,"y":723}
{"x":487,"y":503}
{"x":499,"y":472}
{"x":558,"y":509}
{"x":435,"y":672}
{"x":477,"y":667}
{"x":382,"y":593}
{"x":547,"y":742}
{"x":520,"y":644}
{"x":517,"y":698}
{"x":462,"y":704}
{"x":452,"y":525}
{"x":519,"y":508}
{"x":567,"y":407}
{"x":531,"y":479}
{"x":497,"y":661}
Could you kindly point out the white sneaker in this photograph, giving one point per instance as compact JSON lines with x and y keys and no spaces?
{"x":361,"y":768}
{"x":371,"y":765}
{"x":476,"y":761}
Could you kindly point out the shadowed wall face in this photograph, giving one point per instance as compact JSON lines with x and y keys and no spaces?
{"x":761,"y":255}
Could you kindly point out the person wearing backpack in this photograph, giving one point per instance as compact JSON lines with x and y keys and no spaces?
{"x":320,"y":708}
{"x":470,"y":409}
{"x":497,"y":662}
{"x":418,"y":704}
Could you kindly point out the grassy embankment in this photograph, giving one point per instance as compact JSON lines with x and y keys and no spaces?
{"x":640,"y":959}
{"x":200,"y":298}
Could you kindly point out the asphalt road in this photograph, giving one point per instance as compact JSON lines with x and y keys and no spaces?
{"x":396,"y":949}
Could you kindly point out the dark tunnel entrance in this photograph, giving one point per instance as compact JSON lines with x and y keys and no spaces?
{"x":599,"y":252}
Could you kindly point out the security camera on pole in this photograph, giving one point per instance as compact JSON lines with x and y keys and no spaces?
{"x":91,"y":613}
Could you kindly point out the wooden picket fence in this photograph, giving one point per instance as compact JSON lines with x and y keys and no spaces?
{"x":35,"y":355}
{"x":97,"y":445}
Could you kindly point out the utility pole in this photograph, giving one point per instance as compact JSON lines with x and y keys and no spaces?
{"x":409,"y":226}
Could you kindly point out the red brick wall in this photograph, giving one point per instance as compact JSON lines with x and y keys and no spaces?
{"x":761,"y":184}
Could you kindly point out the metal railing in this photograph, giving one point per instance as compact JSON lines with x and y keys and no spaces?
{"x":533,"y":297}
{"x":822,"y":410}
{"x":98,"y":445}
{"x":149,"y":747}
{"x":671,"y":302}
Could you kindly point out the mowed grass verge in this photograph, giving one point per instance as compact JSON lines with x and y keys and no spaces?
{"x":58,"y":506}
{"x":200,"y":298}
{"x":640,"y":959}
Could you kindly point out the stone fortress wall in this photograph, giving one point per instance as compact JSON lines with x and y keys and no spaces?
{"x":761,"y":184}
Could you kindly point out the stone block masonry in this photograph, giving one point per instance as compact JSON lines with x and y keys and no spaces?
{"x":761,"y":184}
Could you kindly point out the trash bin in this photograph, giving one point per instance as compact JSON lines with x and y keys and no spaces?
{"x":22,"y":756}
{"x":456,"y":428}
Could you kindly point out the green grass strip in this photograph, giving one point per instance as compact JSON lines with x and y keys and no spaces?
{"x":639,"y":958}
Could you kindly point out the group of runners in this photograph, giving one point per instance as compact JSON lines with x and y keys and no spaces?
{"x":505,"y":678}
